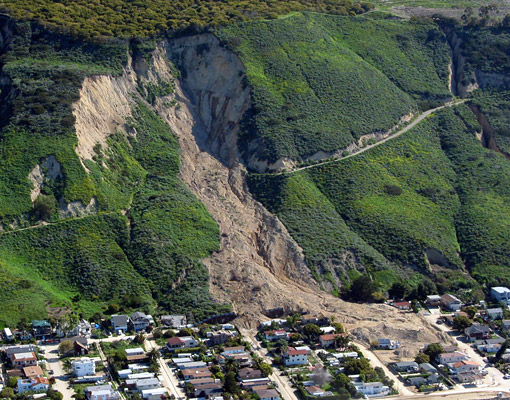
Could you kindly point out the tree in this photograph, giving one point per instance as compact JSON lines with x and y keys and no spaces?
{"x":363,"y":289}
{"x":471,"y":311}
{"x":65,"y":347}
{"x":357,"y":366}
{"x":12,"y":382}
{"x":312,"y":331}
{"x":7,"y":392}
{"x":292,"y":320}
{"x":230,"y":385}
{"x":265,"y":368}
{"x":295,"y":337}
{"x":398,"y":290}
{"x":433,"y":350}
{"x":461,"y":322}
{"x":54,"y":395}
{"x":342,"y":341}
{"x":44,"y":207}
{"x":422,"y":358}
{"x":339,"y":328}
{"x":501,"y":350}
{"x":67,"y":364}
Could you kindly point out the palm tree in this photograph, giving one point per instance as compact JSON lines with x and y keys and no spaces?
{"x":67,"y":365}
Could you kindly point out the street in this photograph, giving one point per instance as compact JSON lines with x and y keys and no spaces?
{"x":61,"y":379}
{"x":283,"y":382}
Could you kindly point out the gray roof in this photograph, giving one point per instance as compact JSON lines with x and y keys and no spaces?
{"x":477,"y":328}
{"x":404,"y":364}
{"x":120,"y":320}
{"x":427,"y":367}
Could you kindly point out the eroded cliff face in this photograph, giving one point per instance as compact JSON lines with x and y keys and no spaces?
{"x":259,"y":266}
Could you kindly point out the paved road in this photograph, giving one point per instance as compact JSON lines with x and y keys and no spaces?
{"x":169,"y":379}
{"x":283,"y":382}
{"x":415,"y":122}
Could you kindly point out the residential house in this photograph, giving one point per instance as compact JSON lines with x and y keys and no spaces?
{"x":146,"y":384}
{"x":154,"y":394}
{"x":41,"y":329}
{"x":208,"y":390}
{"x":402,"y":305}
{"x":181,"y":342}
{"x":80,"y":346}
{"x":134,"y":351}
{"x":137,"y":358}
{"x":20,"y":360}
{"x":450,"y":358}
{"x":501,"y":294}
{"x":228,"y":327}
{"x":327,"y":329}
{"x":315,"y":391}
{"x":258,"y":383}
{"x":173,"y":321}
{"x":220,"y":337}
{"x":192,"y":365}
{"x":83,"y":328}
{"x":428,"y":368}
{"x":196,"y":373}
{"x":141,"y":321}
{"x":388,"y":344}
{"x":275,"y":335}
{"x":295,"y":357}
{"x":33,"y":372}
{"x":451,"y":302}
{"x":121,"y":323}
{"x":329,"y":340}
{"x":407,"y":366}
{"x":267,"y":394}
{"x":464,"y":366}
{"x":203,"y":381}
{"x":372,"y":389}
{"x":317,"y":319}
{"x":101,"y":392}
{"x":39,"y":384}
{"x":433,"y":300}
{"x":484,"y":347}
{"x":477,"y":332}
{"x":250,"y":373}
{"x":495,"y":313}
{"x":233,"y":350}
{"x":22,"y":348}
{"x":417,"y":381}
{"x":84,"y":367}
{"x":505,"y":325}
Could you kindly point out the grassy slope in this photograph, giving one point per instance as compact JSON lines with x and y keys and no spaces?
{"x":321,"y":81}
{"x":455,"y":198}
{"x":90,"y":262}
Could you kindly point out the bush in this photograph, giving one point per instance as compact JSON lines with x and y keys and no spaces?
{"x":393,"y":190}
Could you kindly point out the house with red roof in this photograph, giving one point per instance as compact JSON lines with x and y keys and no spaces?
{"x":295,"y":357}
{"x":402,"y":305}
{"x":330,"y":339}
{"x":40,"y":384}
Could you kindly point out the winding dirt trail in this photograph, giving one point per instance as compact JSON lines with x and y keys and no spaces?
{"x":415,"y":122}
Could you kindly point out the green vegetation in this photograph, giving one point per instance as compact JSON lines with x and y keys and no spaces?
{"x":320,"y":81}
{"x":495,"y":106}
{"x":119,"y":18}
{"x":451,"y":206}
{"x":89,"y":262}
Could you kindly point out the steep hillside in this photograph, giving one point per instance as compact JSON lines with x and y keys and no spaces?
{"x":322,"y":82}
{"x":92,"y":210}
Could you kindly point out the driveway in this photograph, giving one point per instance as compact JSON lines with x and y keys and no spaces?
{"x":61,"y":379}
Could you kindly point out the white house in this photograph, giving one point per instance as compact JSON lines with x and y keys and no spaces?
{"x":450,"y":358}
{"x":135,"y":351}
{"x":451,"y":302}
{"x":147,"y":384}
{"x":267,"y":394}
{"x":101,"y":392}
{"x":464,"y":367}
{"x":295,"y":357}
{"x":84,"y":367}
{"x":388,"y":344}
{"x":372,"y":389}
{"x":40,"y":384}
{"x":495,"y":313}
{"x":501,"y":294}
{"x":174,"y":321}
{"x":233,"y":350}
{"x":275,"y":335}
{"x":154,"y":393}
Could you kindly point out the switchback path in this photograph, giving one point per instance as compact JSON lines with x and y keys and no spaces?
{"x":415,"y":122}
